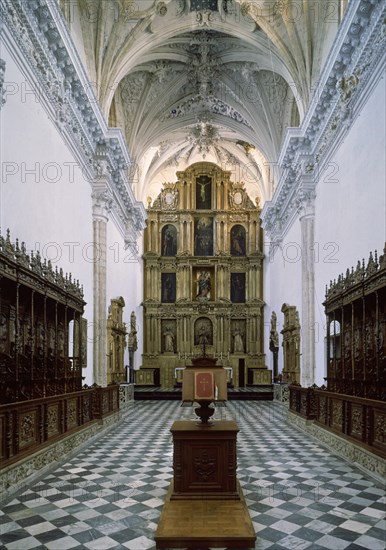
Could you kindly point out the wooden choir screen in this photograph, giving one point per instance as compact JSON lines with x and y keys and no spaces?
{"x":353,"y":403}
{"x":37,"y":305}
{"x":356,"y":331}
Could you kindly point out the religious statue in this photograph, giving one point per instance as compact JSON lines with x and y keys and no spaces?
{"x":168,"y":340}
{"x":132,"y":345}
{"x":238,"y":344}
{"x":273,"y":335}
{"x":274,"y":345}
{"x":204,"y":286}
{"x":133,"y":342}
{"x":202,"y":188}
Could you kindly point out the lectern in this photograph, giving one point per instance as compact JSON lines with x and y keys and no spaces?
{"x":204,"y":506}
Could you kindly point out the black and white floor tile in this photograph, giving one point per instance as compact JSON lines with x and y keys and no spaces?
{"x":300,"y":496}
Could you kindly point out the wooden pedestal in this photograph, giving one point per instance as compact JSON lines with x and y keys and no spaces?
{"x":205,"y":507}
{"x":205,"y":460}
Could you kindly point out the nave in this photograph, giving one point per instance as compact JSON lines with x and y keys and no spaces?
{"x":110,"y":495}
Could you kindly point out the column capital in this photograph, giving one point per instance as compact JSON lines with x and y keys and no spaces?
{"x":102,"y":203}
{"x":305,"y":202}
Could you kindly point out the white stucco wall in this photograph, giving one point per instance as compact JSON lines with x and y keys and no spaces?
{"x":350,"y":208}
{"x":124,"y":278}
{"x":281,"y":269}
{"x":45,"y":199}
{"x":350,"y":221}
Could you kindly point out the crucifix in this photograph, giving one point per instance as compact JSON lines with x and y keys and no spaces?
{"x":204,"y":383}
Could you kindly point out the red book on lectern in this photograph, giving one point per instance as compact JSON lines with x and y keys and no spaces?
{"x":203,"y":385}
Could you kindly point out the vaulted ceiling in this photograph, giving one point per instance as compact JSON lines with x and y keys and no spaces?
{"x":215,"y":80}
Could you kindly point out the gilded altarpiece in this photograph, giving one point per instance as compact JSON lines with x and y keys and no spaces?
{"x":203,"y":278}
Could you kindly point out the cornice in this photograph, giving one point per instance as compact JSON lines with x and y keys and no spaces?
{"x":37,"y":36}
{"x":354,"y":63}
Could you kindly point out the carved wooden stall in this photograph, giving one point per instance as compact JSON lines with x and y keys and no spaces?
{"x":203,"y":278}
{"x":42,"y":352}
{"x":353,"y":403}
{"x":356,"y":331}
{"x":38,"y":305}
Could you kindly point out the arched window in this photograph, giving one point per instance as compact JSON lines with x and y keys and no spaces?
{"x":335,"y":340}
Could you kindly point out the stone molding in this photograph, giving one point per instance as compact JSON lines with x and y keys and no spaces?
{"x":36,"y":36}
{"x":352,"y":69}
{"x":19,"y":476}
{"x":373,"y":465}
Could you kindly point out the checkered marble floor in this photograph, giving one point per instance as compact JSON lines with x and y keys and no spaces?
{"x":111,"y":495}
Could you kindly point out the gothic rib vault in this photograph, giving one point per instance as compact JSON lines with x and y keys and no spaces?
{"x":215,"y":80}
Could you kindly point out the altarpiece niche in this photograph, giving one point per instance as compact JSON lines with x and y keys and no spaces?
{"x":168,"y":288}
{"x":203,"y":265}
{"x":203,"y":236}
{"x":169,"y":240}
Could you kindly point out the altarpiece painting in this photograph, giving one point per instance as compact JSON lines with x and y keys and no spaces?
{"x":203,"y":236}
{"x":238,"y":240}
{"x":169,"y":240}
{"x":168,"y":288}
{"x":238,"y":288}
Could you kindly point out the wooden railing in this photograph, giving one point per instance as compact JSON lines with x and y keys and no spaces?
{"x":28,"y":426}
{"x":302,"y":400}
{"x":360,"y":420}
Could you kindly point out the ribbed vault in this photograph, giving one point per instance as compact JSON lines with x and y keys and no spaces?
{"x":215,"y":80}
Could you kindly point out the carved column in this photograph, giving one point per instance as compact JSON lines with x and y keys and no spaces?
{"x":181,"y":237}
{"x":149,"y":240}
{"x":307,"y":224}
{"x":102,"y":202}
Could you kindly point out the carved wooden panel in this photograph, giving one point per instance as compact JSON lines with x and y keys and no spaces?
{"x":25,"y":426}
{"x":72,"y":413}
{"x":205,"y":461}
{"x":336,"y":414}
{"x":380,"y":430}
{"x":53,"y":419}
{"x":2,"y":437}
{"x":28,"y":428}
{"x":357,"y":422}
